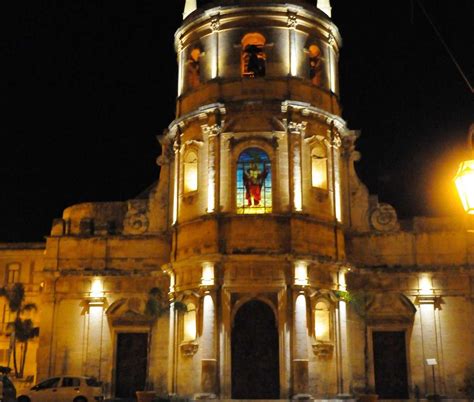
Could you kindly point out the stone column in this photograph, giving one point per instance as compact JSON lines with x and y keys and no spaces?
{"x":45,"y":354}
{"x":177,"y":159}
{"x":336,"y":143}
{"x":211,"y":135}
{"x":300,"y":347}
{"x":296,"y":132}
{"x":342,"y":344}
{"x":181,"y":67}
{"x":208,"y":345}
{"x":94,"y":327}
{"x":173,"y":341}
{"x":428,"y":306}
{"x":215,"y":26}
{"x":292,"y":23}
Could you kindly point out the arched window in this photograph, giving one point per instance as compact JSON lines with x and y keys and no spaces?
{"x":254,"y":182}
{"x":253,"y":55}
{"x":189,"y":323}
{"x":322,"y":322}
{"x":193,"y":68}
{"x":315,"y":64}
{"x":190,"y":171}
{"x":319,"y":166}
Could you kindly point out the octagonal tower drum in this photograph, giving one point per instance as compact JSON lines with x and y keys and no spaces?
{"x":256,"y":175}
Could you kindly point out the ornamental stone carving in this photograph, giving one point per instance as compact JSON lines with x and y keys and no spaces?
{"x":212,"y":130}
{"x":383,"y":218}
{"x":215,"y":23}
{"x":336,"y":140}
{"x":297,"y":128}
{"x":136,"y":220}
{"x":292,"y":21}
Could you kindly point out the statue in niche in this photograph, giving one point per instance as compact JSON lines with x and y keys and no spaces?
{"x":253,"y":180}
{"x":193,"y":68}
{"x":315,"y":65}
{"x":255,"y":60}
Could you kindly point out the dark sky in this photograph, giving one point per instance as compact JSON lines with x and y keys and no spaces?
{"x":89,"y":85}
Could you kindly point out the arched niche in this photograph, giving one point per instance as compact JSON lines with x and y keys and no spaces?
{"x":253,"y":57}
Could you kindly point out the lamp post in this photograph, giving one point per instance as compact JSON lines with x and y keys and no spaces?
{"x":464,"y":178}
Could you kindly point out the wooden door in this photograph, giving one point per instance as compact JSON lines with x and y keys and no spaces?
{"x":390,"y":365}
{"x":255,"y":361}
{"x":131,"y":366}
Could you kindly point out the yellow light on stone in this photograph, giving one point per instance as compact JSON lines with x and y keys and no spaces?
{"x":426,"y":287}
{"x":342,"y":280}
{"x":298,"y":196}
{"x":322,"y":322}
{"x":207,"y":278}
{"x":464,"y":181}
{"x":190,"y":323}
{"x":319,"y":166}
{"x":301,"y":273}
{"x":190,"y":172}
{"x":97,"y":288}
{"x":293,"y":59}
{"x":319,"y":176}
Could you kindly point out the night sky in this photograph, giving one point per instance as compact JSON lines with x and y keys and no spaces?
{"x":89,"y":84}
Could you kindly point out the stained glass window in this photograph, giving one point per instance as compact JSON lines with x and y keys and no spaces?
{"x":254,"y":182}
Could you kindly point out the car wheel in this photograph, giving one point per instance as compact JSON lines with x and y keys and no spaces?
{"x":24,"y":399}
{"x":78,"y":399}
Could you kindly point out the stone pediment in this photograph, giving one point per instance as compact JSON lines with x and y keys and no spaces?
{"x":390,"y":307}
{"x":128,"y":311}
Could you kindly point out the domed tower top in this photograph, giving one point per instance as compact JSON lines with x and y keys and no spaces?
{"x":191,"y":5}
{"x":289,"y":47}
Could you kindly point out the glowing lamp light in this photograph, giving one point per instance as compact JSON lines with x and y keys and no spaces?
{"x":97,"y":289}
{"x":425,"y":285}
{"x":301,"y":273}
{"x":464,"y":179}
{"x":207,"y":278}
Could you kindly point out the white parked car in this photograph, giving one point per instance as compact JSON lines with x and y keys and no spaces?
{"x":66,"y":388}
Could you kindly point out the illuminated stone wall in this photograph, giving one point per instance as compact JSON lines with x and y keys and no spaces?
{"x":320,"y":243}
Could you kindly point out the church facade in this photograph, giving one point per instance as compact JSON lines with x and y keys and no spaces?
{"x":296,"y":281}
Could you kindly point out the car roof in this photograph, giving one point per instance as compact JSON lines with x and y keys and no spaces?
{"x":68,"y":375}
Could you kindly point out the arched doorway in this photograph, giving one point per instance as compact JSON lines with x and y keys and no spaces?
{"x":255,"y":363}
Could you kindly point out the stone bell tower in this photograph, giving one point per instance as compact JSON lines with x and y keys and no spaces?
{"x":256,"y":176}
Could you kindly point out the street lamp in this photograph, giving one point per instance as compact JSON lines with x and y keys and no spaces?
{"x":464,"y":178}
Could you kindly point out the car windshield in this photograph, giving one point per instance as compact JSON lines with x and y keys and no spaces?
{"x":92,"y":382}
{"x":7,"y":382}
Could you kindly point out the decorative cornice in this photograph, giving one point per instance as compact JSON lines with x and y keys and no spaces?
{"x":434,"y":300}
{"x":200,"y":113}
{"x":192,"y":143}
{"x":233,"y":141}
{"x":307,"y":110}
